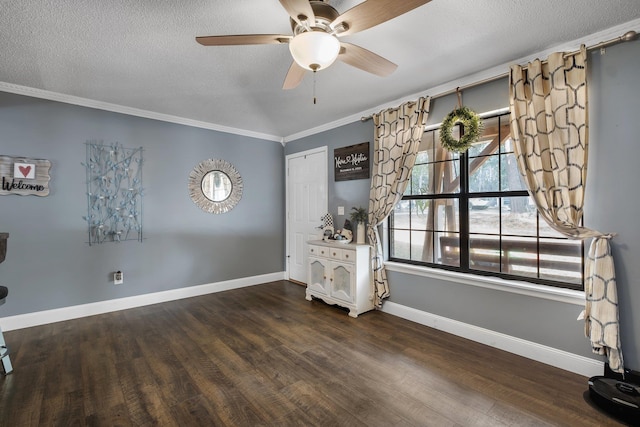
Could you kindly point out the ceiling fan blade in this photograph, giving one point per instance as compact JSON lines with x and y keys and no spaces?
{"x":243,"y":39}
{"x":294,"y":76}
{"x":370,"y":13}
{"x":366,"y":60}
{"x":299,"y":10}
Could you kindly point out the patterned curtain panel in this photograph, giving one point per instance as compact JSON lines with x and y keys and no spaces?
{"x":397,"y":138}
{"x":549,"y":127}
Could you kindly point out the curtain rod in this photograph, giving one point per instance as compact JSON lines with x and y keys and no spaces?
{"x":626,"y":37}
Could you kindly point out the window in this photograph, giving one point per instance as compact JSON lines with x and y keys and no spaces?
{"x":471,"y":213}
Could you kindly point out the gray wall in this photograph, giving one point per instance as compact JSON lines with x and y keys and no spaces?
{"x":50,"y":265}
{"x":342,"y":193}
{"x":611,"y":202}
{"x":356,"y":192}
{"x":538,"y":320}
{"x":611,"y":206}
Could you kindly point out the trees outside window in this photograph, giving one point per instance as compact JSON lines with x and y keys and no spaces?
{"x":471,"y":212}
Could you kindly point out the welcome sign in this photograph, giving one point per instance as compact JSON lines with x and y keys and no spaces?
{"x":24,"y":177}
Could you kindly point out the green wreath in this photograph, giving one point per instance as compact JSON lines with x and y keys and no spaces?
{"x":472,"y":129}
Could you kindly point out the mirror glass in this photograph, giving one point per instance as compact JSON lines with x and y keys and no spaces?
{"x":216,"y":186}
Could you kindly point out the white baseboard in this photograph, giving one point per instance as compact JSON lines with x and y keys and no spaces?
{"x":551,"y":356}
{"x":28,"y":320}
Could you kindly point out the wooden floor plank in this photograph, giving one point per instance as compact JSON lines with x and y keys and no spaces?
{"x":16,"y":390}
{"x":143,"y":399}
{"x":265,"y":356}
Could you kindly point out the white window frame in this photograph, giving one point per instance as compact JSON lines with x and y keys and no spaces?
{"x":553,"y":293}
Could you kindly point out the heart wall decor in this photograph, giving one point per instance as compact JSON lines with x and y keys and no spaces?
{"x":24,"y":177}
{"x":24,"y":171}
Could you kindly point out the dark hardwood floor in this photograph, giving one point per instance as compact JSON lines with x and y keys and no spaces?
{"x":264,"y":356}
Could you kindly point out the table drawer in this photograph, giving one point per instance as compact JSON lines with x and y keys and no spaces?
{"x":321,"y":251}
{"x":334,"y":253}
{"x":349,"y":256}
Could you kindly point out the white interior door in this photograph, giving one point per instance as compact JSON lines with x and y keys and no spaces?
{"x":307,"y":202}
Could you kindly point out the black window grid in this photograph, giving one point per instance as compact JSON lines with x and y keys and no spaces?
{"x":463,"y":197}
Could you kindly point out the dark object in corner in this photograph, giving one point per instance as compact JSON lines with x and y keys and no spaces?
{"x":3,"y":245}
{"x":617,"y":396}
{"x":5,"y":360}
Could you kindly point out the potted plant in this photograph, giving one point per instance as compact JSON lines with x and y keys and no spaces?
{"x":359,"y":216}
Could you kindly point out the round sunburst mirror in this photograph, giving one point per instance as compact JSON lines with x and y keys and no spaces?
{"x":215,"y":186}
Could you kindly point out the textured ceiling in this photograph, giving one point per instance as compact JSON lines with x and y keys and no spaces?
{"x":142,"y":54}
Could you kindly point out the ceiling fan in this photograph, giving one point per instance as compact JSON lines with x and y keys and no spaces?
{"x":316,"y":27}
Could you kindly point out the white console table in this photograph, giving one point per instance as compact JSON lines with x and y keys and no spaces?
{"x":340,"y":274}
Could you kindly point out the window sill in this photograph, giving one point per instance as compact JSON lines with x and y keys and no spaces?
{"x":568,"y":296}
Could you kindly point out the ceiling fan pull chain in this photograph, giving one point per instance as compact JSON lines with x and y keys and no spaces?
{"x":314,"y":87}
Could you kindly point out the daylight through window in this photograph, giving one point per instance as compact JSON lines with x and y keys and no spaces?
{"x":472,"y":213}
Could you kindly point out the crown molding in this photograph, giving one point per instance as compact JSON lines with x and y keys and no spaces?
{"x":468,"y":80}
{"x":115,"y":108}
{"x":471,"y":79}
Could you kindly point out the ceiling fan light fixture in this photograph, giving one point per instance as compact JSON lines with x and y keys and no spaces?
{"x":314,"y":50}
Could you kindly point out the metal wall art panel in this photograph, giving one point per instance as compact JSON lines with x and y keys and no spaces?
{"x":114,"y":193}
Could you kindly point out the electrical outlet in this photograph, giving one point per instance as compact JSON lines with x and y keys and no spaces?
{"x":118,"y":278}
{"x":340,"y":210}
